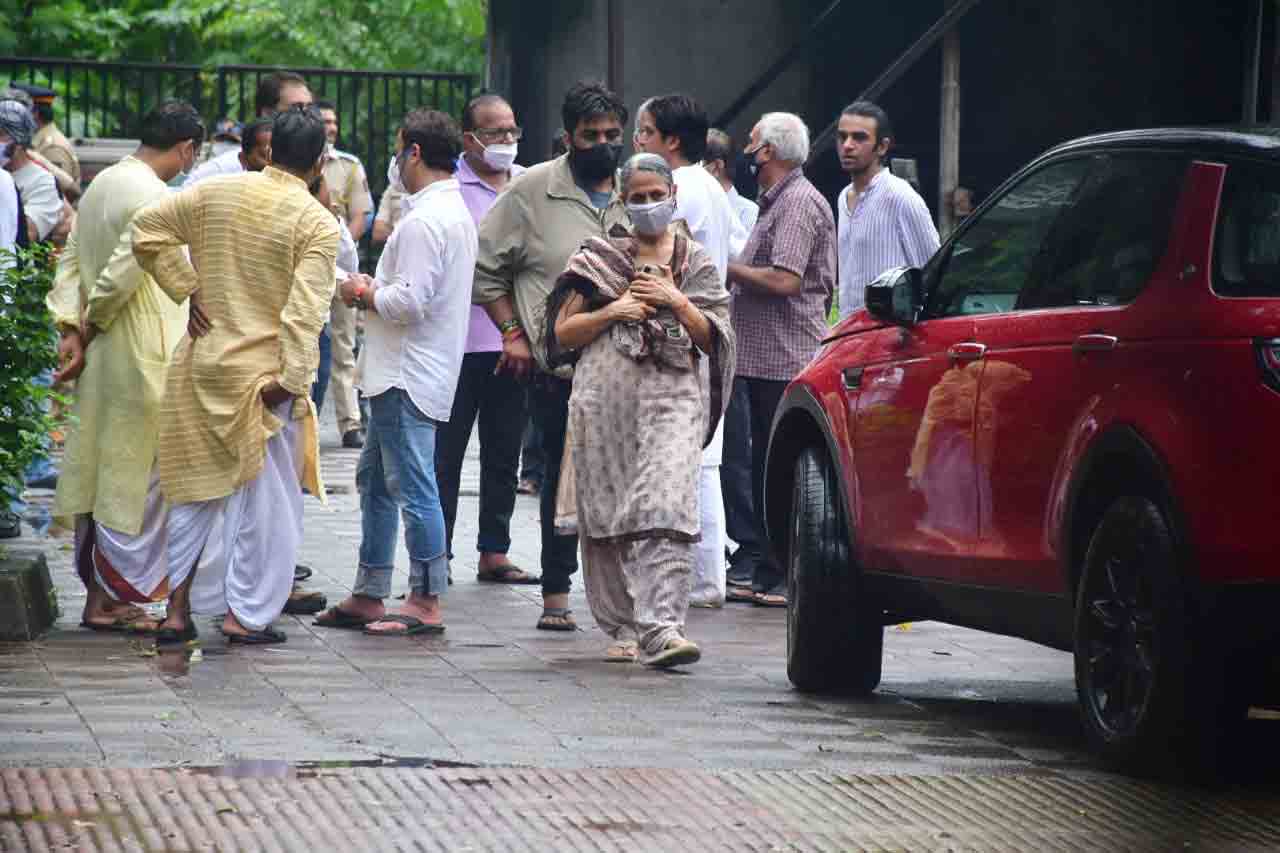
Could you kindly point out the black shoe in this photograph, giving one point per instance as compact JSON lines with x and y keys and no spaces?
{"x":173,"y":636}
{"x":353,"y":439}
{"x":10,"y":525}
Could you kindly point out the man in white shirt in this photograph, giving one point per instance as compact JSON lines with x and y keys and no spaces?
{"x":41,"y":203}
{"x":675,"y":128}
{"x":8,"y":219}
{"x":884,"y":223}
{"x":253,"y":154}
{"x":415,"y":333}
{"x":720,"y":161}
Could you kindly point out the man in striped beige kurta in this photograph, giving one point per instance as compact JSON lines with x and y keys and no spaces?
{"x":237,"y":429}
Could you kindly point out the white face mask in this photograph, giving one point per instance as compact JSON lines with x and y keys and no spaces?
{"x":500,"y":156}
{"x":393,"y":176}
{"x":652,"y":218}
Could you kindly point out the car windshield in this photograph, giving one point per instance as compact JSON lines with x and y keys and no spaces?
{"x":1246,"y":257}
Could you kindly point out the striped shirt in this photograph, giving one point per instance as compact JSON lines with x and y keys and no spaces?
{"x":778,"y":335}
{"x":889,"y":227}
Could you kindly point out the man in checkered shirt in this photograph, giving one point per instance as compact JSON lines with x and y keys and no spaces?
{"x":782,"y":287}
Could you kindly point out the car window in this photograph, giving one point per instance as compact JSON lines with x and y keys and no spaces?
{"x":1246,"y":254}
{"x":988,"y":264}
{"x":1105,"y":245}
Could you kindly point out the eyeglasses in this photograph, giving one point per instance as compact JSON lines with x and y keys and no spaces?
{"x":493,"y":134}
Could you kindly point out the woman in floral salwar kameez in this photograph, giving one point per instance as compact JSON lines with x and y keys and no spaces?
{"x":647,"y":318}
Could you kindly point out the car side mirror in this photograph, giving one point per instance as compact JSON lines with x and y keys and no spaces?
{"x":897,"y":296}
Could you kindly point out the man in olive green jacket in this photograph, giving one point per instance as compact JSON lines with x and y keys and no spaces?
{"x":525,"y":242}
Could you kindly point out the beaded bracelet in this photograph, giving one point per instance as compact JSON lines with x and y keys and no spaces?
{"x":508,"y":325}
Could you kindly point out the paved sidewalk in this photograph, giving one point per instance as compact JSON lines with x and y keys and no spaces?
{"x":972,"y":741}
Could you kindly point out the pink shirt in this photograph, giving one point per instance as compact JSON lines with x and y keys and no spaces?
{"x":482,"y":334}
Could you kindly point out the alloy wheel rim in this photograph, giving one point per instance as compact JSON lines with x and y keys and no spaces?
{"x":1120,"y":642}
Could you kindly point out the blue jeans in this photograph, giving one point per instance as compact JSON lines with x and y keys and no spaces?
{"x":321,"y":385}
{"x":396,"y":476}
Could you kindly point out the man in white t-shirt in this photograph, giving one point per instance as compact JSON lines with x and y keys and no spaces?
{"x":675,"y":128}
{"x":252,"y":155}
{"x":415,"y":335}
{"x":41,"y":203}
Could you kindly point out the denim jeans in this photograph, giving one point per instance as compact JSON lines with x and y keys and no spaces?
{"x":396,"y":476}
{"x":763,"y":397}
{"x":550,"y":399}
{"x":532,"y":466}
{"x":497,"y":401}
{"x":321,"y":385}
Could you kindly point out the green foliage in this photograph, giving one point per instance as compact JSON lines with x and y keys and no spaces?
{"x":383,"y":35}
{"x":28,"y":347}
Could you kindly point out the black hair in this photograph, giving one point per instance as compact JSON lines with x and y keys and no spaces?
{"x":250,"y":132}
{"x":866,"y":109}
{"x":297,"y":138}
{"x":170,"y":123}
{"x":720,"y":147}
{"x":587,"y":100}
{"x":437,"y":136}
{"x":483,"y":99}
{"x":44,"y":112}
{"x":682,"y":117}
{"x":326,"y":105}
{"x":270,"y":87}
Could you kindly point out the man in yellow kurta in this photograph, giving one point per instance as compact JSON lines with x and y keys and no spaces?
{"x":100,"y":296}
{"x":237,"y":429}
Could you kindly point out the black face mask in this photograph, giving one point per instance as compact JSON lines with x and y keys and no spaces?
{"x":597,"y":162}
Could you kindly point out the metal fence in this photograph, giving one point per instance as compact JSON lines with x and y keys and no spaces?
{"x":109,"y":99}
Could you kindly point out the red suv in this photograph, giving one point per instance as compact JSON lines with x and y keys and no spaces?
{"x":1065,"y":428}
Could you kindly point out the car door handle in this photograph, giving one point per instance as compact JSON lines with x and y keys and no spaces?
{"x":1095,"y":342}
{"x":967,"y":351}
{"x":852,"y":377}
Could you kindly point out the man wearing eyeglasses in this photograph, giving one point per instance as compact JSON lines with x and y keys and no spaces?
{"x":490,"y":141}
{"x":883,"y":221}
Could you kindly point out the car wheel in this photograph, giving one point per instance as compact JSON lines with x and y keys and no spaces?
{"x":835,"y":637}
{"x":1151,"y":688}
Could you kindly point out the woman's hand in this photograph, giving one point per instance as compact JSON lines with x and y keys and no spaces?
{"x":657,"y":290}
{"x":630,"y":309}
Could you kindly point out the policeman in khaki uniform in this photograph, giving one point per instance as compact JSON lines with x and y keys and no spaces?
{"x":351,"y":202}
{"x":48,"y":140}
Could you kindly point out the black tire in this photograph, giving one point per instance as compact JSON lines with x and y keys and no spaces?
{"x":1152,"y":683}
{"x":835,"y":636}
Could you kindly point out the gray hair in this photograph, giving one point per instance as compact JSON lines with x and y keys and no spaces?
{"x":17,"y":121}
{"x":644,"y":163}
{"x":787,"y":133}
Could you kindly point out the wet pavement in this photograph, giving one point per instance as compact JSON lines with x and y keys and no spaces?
{"x":960,"y":714}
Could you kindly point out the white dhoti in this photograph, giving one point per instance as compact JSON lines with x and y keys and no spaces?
{"x":130,"y":567}
{"x":246,"y":543}
{"x":709,"y":566}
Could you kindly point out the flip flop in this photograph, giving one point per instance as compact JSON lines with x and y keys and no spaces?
{"x":742,"y":594}
{"x":121,"y":625}
{"x":770,"y":599}
{"x":508,"y":574}
{"x":622,"y":651}
{"x":302,"y":603}
{"x":546,"y":623}
{"x":336,"y":617}
{"x":264,"y":637}
{"x":174,"y":636}
{"x":412,"y":625}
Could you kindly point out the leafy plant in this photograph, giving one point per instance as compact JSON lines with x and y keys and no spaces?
{"x":28,"y":348}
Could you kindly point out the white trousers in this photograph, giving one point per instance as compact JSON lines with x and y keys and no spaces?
{"x":246,"y":543}
{"x":709,"y":565}
{"x":131,"y":567}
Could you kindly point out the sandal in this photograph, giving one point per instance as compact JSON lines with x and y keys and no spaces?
{"x":336,"y":617}
{"x":556,"y":619}
{"x":741,"y":594}
{"x":301,"y":573}
{"x":772,"y":598}
{"x":507,"y":574}
{"x":304,"y":603}
{"x":125,"y":625}
{"x":622,"y":651}
{"x":677,"y":652}
{"x":266,"y":636}
{"x":412,"y":625}
{"x":176,"y":636}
